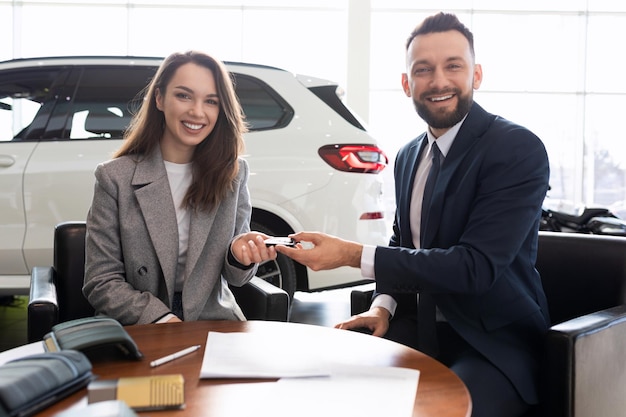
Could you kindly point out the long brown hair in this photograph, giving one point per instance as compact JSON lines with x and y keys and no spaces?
{"x":215,"y":165}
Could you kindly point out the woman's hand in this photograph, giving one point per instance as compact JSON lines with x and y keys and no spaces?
{"x":249,"y":248}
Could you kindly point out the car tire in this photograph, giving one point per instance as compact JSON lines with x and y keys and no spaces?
{"x":281,"y":271}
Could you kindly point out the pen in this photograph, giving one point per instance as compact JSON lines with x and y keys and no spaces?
{"x":173,"y":356}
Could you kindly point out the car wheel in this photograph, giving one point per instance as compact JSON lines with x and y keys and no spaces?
{"x":281,"y":271}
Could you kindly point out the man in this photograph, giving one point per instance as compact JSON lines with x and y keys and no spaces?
{"x":471,"y":250}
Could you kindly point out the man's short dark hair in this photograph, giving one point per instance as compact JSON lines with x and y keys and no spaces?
{"x":442,"y":22}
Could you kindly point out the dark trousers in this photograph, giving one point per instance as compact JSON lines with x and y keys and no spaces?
{"x":493,"y":394}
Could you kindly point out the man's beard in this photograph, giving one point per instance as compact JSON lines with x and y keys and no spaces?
{"x":440,"y":120}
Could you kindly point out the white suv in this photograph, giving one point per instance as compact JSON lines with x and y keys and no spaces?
{"x":313,"y":165}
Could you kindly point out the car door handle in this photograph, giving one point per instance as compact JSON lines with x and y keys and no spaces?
{"x":6,"y":161}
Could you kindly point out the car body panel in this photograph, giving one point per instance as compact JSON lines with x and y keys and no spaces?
{"x":45,"y":181}
{"x":13,"y":161}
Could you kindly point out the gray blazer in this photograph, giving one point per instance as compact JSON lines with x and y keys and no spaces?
{"x":132,"y":246}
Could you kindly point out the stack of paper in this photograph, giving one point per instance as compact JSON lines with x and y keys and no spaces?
{"x":305,"y":373}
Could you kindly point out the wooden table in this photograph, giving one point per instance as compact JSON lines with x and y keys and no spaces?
{"x":440,"y":392}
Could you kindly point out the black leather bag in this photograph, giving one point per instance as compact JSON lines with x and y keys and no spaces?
{"x":32,"y":383}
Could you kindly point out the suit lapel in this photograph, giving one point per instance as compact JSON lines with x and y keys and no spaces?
{"x":472,"y":129}
{"x":153,"y":194}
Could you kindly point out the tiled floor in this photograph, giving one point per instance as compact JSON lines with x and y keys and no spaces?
{"x":324,"y":308}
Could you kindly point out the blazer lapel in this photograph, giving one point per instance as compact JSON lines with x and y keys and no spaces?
{"x":199,"y":230}
{"x":197,"y":282}
{"x":155,"y":200}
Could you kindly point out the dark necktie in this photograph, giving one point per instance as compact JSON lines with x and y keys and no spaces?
{"x":430,"y":186}
{"x":426,"y":309}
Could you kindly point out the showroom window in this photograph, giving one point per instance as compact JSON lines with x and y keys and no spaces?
{"x":548,"y":65}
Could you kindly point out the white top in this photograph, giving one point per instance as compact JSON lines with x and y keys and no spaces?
{"x":179,"y":176}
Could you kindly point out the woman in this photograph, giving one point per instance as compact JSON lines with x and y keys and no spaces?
{"x":168,"y":227}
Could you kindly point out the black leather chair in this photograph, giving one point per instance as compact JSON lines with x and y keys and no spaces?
{"x":56,"y":291}
{"x":584,"y":277}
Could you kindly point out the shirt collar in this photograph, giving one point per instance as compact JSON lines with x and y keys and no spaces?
{"x":444,"y":142}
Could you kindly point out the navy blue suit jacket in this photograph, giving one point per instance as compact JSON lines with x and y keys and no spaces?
{"x":480,"y":243}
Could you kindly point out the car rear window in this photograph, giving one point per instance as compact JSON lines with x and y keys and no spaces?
{"x":263,"y":107}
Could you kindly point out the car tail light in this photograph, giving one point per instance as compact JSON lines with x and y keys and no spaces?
{"x":354,"y":158}
{"x":372,"y":215}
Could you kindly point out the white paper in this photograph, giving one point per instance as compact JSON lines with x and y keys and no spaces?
{"x":350,"y":391}
{"x":254,"y":355}
{"x":306,"y":377}
{"x":364,"y":391}
{"x":21,"y":352}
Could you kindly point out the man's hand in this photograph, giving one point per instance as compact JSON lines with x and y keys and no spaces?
{"x":328,"y":252}
{"x":250,"y":248}
{"x":376,"y":319}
